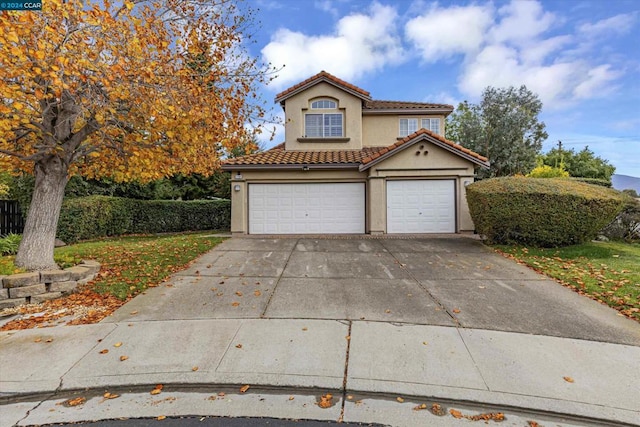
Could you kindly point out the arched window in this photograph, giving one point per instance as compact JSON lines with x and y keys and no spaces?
{"x":325,"y":104}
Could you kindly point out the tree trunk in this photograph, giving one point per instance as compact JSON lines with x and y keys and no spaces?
{"x":36,"y":249}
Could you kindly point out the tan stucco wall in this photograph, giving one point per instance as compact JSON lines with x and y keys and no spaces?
{"x":383,"y":130}
{"x":299,"y":104}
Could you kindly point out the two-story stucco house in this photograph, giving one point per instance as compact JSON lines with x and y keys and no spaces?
{"x":351,"y":164}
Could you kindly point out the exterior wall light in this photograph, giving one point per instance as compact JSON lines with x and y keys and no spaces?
{"x":305,"y":168}
{"x":236,"y":187}
{"x":238,"y":175}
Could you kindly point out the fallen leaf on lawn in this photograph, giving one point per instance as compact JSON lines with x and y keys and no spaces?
{"x":74,"y":402}
{"x":455,"y":413}
{"x":161,"y":417}
{"x":437,"y":409}
{"x":239,"y":293}
{"x":257,"y":293}
{"x":118,"y":344}
{"x":325,"y":401}
{"x":238,"y":345}
{"x":108,"y":395}
{"x":420,"y":407}
{"x":568,"y":379}
{"x":123,"y":358}
{"x":235,"y":304}
{"x":244,"y":388}
{"x":399,"y":399}
{"x":104,"y":351}
{"x":456,"y":310}
{"x":195,"y":368}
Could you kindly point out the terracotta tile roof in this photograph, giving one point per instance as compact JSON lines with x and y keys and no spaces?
{"x":279,"y":157}
{"x":322,"y":75}
{"x":402,"y":105}
{"x":277,"y":147}
{"x":398,"y":145}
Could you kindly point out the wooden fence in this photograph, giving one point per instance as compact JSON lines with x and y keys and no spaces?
{"x":11,"y":220}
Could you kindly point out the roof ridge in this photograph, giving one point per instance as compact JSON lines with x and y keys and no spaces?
{"x":323,"y":75}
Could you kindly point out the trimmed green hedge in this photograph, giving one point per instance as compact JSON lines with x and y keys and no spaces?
{"x":540,"y":211}
{"x":595,"y":181}
{"x":100,"y":216}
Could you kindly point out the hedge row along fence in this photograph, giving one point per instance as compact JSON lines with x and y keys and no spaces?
{"x":101,"y":216}
{"x":541,"y":211}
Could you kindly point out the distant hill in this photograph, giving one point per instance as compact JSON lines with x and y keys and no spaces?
{"x":623,"y":182}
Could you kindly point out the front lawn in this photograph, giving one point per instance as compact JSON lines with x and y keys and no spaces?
{"x":129,"y":266}
{"x":606,"y":272}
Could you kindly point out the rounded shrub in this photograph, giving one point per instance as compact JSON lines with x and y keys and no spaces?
{"x":542,"y":212}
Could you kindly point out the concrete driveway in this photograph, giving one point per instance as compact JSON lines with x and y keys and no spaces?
{"x":446,"y":281}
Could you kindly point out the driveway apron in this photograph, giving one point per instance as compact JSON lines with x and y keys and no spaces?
{"x":448,"y":281}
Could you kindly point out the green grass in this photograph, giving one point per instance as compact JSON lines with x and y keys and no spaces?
{"x":131,"y":264}
{"x":607,"y":272}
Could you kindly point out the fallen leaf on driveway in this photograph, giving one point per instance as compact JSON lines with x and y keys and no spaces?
{"x":244,"y":388}
{"x":195,"y":368}
{"x":420,"y":407}
{"x":437,"y":409}
{"x":123,"y":358}
{"x":456,"y":310}
{"x":108,"y":395}
{"x":399,"y":399}
{"x":239,"y":293}
{"x":156,"y":391}
{"x":161,"y":417}
{"x":74,"y":402}
{"x":49,"y":340}
{"x":37,"y":339}
{"x":235,"y":304}
{"x":325,"y":401}
{"x":533,"y":424}
{"x":387,"y":311}
{"x":257,"y":293}
{"x":238,"y":345}
{"x":118,"y":344}
{"x":455,"y":413}
{"x":568,"y":379}
{"x":105,"y":351}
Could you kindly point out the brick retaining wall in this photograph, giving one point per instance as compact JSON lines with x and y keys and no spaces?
{"x":39,"y":286}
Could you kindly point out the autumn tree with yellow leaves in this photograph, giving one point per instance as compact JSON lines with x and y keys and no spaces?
{"x":124,"y":90}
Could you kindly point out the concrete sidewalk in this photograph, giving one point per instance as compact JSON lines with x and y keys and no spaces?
{"x":504,"y":371}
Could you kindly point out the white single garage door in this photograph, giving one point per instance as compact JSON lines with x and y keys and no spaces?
{"x":421,"y":206}
{"x":327,"y":208}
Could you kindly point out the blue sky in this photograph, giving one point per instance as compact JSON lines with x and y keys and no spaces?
{"x":581,"y":57}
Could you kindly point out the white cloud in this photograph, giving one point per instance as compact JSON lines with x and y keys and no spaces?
{"x":510,"y":47}
{"x":326,"y":6}
{"x":520,"y":21}
{"x":618,"y":24}
{"x":597,"y":82}
{"x":444,"y":32}
{"x":361,"y":43}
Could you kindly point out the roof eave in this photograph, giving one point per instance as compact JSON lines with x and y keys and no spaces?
{"x":301,"y":166}
{"x":412,"y":111}
{"x":284,"y":97}
{"x":479,"y":162}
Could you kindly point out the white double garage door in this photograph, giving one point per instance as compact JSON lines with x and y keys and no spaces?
{"x":413,"y":206}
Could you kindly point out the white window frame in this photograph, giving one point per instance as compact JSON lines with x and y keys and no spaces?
{"x":321,"y":124}
{"x":408,"y":126}
{"x":432,"y":124}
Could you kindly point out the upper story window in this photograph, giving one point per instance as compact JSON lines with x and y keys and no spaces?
{"x":409,"y":126}
{"x":324,"y":124}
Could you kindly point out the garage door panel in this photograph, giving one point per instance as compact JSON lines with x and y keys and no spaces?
{"x":421,"y":206}
{"x":306,"y":208}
